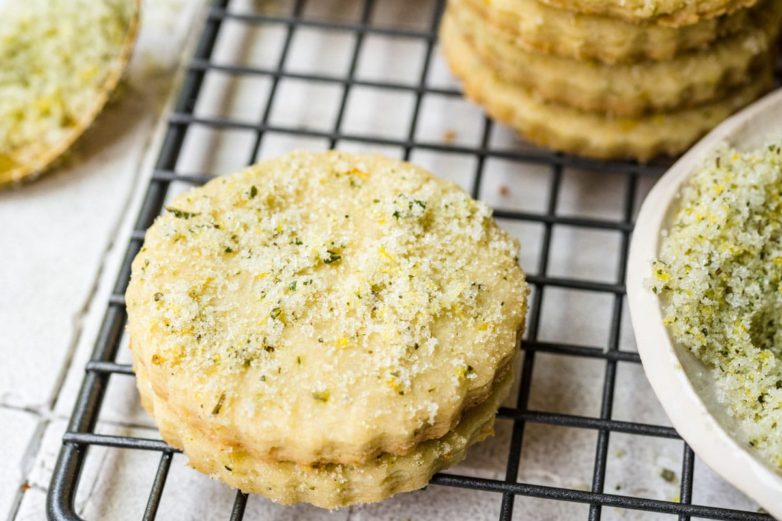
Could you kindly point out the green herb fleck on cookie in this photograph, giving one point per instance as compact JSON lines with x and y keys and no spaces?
{"x":181,"y":214}
{"x":332,"y":257}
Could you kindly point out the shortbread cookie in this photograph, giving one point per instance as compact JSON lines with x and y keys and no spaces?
{"x":625,"y":90}
{"x":61,"y":59}
{"x":325,"y":307}
{"x":570,"y":130}
{"x":674,"y":13}
{"x":536,"y":26}
{"x":324,"y":485}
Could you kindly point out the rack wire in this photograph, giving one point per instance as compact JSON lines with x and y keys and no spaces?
{"x":103,"y":366}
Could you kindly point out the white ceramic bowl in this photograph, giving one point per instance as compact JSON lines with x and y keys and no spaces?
{"x":682,"y":384}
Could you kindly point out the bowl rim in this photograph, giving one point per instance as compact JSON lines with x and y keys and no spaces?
{"x":687,"y":411}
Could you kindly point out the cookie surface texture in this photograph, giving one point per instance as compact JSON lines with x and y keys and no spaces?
{"x":570,"y":130}
{"x":61,"y":60}
{"x":325,"y":307}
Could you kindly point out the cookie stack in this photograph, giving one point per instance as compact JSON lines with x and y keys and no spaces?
{"x":325,"y":327}
{"x":612,"y":78}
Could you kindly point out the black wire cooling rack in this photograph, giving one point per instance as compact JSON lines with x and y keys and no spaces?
{"x":81,"y":431}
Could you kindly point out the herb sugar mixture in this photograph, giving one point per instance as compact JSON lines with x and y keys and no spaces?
{"x":719,"y":275}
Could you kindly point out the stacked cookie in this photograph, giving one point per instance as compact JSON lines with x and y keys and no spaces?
{"x":324,"y":327}
{"x":612,"y":78}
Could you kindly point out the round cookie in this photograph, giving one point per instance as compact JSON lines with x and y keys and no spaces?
{"x":570,"y":130}
{"x":61,"y":61}
{"x":627,"y":90}
{"x":538,"y":27}
{"x":325,"y":307}
{"x":324,"y":485}
{"x":675,"y":13}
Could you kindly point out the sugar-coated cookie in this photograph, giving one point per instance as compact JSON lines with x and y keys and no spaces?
{"x":628,"y":90}
{"x":539,"y":27}
{"x":61,"y":59}
{"x":325,"y":307}
{"x":570,"y":130}
{"x":326,"y":485}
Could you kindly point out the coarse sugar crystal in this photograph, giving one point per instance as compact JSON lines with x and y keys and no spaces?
{"x":719,"y":277}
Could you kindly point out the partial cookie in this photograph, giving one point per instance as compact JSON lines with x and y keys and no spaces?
{"x":536,"y":26}
{"x":61,"y":61}
{"x":324,"y":485}
{"x":626,"y":90}
{"x":570,"y":130}
{"x":674,"y":13}
{"x":325,"y":307}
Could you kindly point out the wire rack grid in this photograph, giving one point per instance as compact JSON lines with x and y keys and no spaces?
{"x":594,"y":496}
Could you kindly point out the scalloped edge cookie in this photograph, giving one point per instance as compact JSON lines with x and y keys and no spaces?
{"x":330,"y":485}
{"x":630,"y":90}
{"x":536,"y":26}
{"x":325,"y":306}
{"x":569,"y":130}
